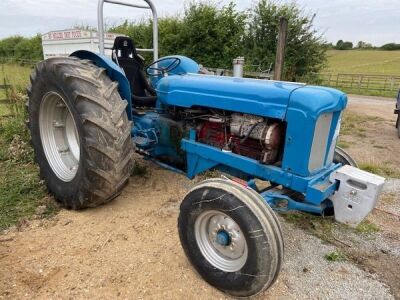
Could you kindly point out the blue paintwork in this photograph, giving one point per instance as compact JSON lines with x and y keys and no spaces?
{"x":305,"y":106}
{"x":113,"y":71}
{"x":259,"y":97}
{"x":274,"y":199}
{"x":156,"y":129}
{"x":223,"y":238}
{"x":297,"y":105}
{"x":186,"y":65}
{"x":201,"y":157}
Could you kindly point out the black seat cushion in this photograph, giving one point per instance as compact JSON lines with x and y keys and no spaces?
{"x":126,"y":56}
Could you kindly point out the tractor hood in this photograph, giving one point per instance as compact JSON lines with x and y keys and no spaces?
{"x":259,"y":97}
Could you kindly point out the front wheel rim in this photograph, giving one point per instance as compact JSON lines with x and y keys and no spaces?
{"x":59,"y":136}
{"x":221,"y":241}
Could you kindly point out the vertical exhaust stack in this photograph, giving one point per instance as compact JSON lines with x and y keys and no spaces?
{"x":238,"y":64}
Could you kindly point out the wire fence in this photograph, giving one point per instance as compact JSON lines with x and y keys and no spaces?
{"x":5,"y":100}
{"x":19,"y":61}
{"x":375,"y":84}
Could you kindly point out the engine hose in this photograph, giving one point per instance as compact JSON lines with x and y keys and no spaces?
{"x":249,"y":132}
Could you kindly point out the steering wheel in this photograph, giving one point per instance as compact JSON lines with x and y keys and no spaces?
{"x":154,"y":69}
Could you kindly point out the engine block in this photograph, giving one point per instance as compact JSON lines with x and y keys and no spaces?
{"x":243,"y":134}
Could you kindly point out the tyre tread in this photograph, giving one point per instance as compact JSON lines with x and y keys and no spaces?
{"x":113,"y":129}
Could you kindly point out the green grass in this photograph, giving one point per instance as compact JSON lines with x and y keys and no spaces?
{"x":21,"y":190}
{"x":354,"y":124}
{"x":343,"y":144}
{"x":380,"y":169}
{"x":17,"y":76}
{"x":367,"y":227}
{"x":364,"y":62}
{"x":335,"y":256}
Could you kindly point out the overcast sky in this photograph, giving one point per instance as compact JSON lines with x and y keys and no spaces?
{"x":375,"y":21}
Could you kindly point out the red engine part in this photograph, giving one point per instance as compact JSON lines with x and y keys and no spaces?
{"x":250,"y":148}
{"x":213,"y":134}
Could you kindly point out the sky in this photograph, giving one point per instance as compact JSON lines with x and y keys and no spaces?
{"x":374,"y":21}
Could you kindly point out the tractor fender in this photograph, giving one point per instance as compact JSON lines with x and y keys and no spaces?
{"x":113,"y":71}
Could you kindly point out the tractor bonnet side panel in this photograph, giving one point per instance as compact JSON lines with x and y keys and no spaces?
{"x":313,"y":123}
{"x":257,"y":97}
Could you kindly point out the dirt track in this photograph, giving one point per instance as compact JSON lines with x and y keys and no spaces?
{"x":130,"y":249}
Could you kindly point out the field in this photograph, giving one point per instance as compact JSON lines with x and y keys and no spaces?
{"x":363,"y":72}
{"x":363,"y":62}
{"x":15,"y":75}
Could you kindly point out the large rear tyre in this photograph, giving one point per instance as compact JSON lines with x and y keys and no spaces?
{"x":231,"y":237}
{"x":80,"y":132}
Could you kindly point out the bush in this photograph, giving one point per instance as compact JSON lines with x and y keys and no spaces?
{"x":215,"y":36}
{"x":391,"y":47}
{"x":305,"y":49}
{"x":22,"y":48}
{"x":341,"y":45}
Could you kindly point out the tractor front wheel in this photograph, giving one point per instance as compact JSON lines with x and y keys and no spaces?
{"x":80,"y":132}
{"x":231,"y":237}
{"x":398,"y":126}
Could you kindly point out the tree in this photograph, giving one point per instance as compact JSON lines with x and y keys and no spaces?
{"x":215,"y":36}
{"x":29,"y":48}
{"x":212,"y":36}
{"x":364,"y":45}
{"x":391,"y":47}
{"x":305,"y":49}
{"x":209,"y":35}
{"x":7,"y":46}
{"x":20,"y":47}
{"x":341,"y":45}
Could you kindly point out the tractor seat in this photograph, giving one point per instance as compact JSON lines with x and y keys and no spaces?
{"x":125,"y":55}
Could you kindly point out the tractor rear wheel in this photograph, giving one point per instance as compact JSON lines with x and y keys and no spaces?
{"x":80,"y":132}
{"x":231,"y":237}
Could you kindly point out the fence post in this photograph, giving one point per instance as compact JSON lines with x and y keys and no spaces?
{"x":360,"y":79}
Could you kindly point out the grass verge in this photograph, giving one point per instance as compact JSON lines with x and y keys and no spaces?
{"x":335,"y":256}
{"x":22,"y":193}
{"x":380,"y":169}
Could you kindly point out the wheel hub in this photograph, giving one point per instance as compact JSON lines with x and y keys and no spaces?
{"x":221,"y":241}
{"x":59,"y":136}
{"x":223,"y":238}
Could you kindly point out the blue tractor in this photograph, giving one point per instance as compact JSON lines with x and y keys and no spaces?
{"x":88,"y":114}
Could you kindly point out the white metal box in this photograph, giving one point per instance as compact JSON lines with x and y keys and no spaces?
{"x":65,"y":42}
{"x":357,"y":194}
